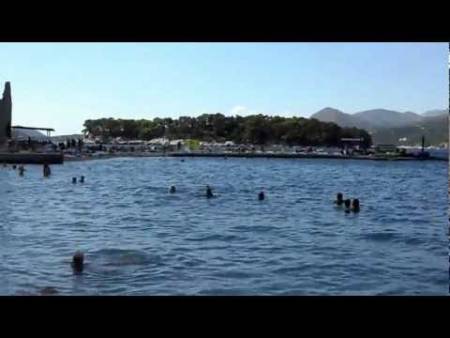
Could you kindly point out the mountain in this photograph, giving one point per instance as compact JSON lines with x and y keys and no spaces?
{"x":383,"y":118}
{"x":388,"y":126}
{"x":340,"y":118}
{"x":435,"y":112}
{"x":368,"y":119}
{"x":434,"y":128}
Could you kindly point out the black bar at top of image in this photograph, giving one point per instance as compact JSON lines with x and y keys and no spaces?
{"x":219,"y":35}
{"x":225,"y":24}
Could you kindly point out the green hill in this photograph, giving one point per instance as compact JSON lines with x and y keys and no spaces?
{"x":434,"y":128}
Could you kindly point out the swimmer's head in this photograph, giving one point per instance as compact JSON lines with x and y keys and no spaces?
{"x":208,"y":191}
{"x":74,"y":180}
{"x":347,"y":203}
{"x":355,"y":204}
{"x":172,"y":189}
{"x":78,"y":261}
{"x":339,"y":197}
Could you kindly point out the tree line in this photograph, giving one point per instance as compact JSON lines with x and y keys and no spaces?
{"x":254,"y":129}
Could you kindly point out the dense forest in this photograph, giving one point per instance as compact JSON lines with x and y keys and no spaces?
{"x":254,"y":129}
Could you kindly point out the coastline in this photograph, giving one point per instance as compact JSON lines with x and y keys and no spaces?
{"x":58,"y":158}
{"x":248,"y":155}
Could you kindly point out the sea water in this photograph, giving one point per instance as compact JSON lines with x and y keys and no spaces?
{"x":139,"y":239}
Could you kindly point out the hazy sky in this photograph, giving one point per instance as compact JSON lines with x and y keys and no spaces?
{"x":60,"y":85}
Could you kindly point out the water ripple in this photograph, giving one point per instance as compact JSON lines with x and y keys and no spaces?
{"x":139,"y":239}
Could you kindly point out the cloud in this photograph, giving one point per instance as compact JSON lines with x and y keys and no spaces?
{"x":244,"y":111}
{"x":240,"y":110}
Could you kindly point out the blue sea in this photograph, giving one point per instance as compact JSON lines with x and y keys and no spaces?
{"x":140,"y":240}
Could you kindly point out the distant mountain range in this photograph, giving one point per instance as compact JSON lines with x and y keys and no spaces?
{"x":388,"y":126}
{"x":435,"y":112}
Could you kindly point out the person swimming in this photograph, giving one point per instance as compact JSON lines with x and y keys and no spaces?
{"x":82,"y":179}
{"x":47,"y":170}
{"x":172,"y":189}
{"x":355,"y":205}
{"x":209,"y":193}
{"x":261,"y":196}
{"x":339,"y":199}
{"x":347,"y":205}
{"x":78,"y":262}
{"x":74,"y":180}
{"x":21,"y":170}
{"x":14,"y":167}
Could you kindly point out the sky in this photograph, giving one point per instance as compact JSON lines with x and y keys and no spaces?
{"x":60,"y":85}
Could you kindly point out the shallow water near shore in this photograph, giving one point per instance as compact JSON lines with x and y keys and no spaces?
{"x":140,"y":240}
